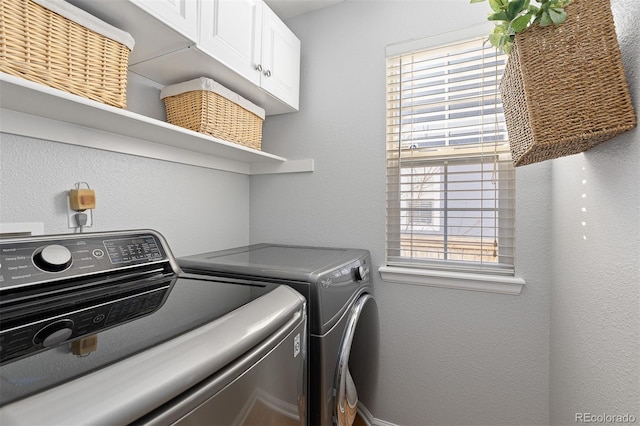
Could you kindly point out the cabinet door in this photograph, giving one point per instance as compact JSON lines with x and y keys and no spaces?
{"x":280,"y":59}
{"x":181,"y":15}
{"x":230,"y":32}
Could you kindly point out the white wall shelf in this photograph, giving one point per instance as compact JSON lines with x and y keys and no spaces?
{"x":35,"y":110}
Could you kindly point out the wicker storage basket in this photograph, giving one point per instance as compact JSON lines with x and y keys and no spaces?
{"x":44,"y":42}
{"x":564,"y":89}
{"x":208,"y":107}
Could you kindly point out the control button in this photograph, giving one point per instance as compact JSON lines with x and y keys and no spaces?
{"x":54,"y":333}
{"x":53,"y":258}
{"x":98,"y":253}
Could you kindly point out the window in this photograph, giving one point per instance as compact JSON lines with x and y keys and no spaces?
{"x":450,"y":179}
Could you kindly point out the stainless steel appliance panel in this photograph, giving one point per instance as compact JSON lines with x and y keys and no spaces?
{"x":255,"y":390}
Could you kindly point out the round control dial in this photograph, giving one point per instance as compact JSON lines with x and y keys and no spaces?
{"x":53,"y":258}
{"x":361,"y":273}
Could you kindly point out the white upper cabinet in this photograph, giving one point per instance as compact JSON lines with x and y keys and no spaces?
{"x":231,"y":32}
{"x":181,"y":15}
{"x":249,"y":38}
{"x":280,"y":59}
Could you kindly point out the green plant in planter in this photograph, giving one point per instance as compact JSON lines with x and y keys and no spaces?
{"x":514,"y":16}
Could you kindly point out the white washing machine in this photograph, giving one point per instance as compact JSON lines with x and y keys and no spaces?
{"x":342,"y":315}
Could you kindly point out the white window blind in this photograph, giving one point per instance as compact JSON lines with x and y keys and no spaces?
{"x":450,"y":179}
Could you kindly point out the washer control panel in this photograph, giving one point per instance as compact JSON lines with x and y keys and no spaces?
{"x":34,"y":261}
{"x":54,"y":289}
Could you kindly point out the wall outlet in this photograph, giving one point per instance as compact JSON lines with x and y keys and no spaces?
{"x":71,"y":216}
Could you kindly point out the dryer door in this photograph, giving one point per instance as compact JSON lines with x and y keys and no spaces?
{"x":346,"y":395}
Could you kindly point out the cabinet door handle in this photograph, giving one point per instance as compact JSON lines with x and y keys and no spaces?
{"x":267,"y":73}
{"x":259,"y":67}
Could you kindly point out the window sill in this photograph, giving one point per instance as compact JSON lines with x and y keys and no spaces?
{"x":459,"y":280}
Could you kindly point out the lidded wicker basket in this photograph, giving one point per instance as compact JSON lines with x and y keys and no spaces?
{"x":205,"y":106}
{"x":54,"y":43}
{"x":564,"y":88}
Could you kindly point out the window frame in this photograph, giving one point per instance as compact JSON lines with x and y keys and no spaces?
{"x":450,"y":277}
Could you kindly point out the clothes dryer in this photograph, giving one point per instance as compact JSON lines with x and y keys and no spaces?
{"x":336,"y":284}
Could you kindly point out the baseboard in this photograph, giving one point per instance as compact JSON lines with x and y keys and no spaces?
{"x":369,"y":419}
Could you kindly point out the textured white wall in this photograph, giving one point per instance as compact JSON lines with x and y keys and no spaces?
{"x":595,"y":310}
{"x":447,"y":357}
{"x":196,"y":209}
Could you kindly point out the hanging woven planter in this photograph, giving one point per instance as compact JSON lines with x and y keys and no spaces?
{"x":564,"y":89}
